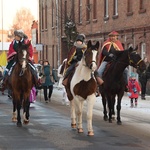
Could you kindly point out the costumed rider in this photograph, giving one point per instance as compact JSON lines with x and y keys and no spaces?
{"x":75,"y":54}
{"x":19,"y":36}
{"x":107,"y":54}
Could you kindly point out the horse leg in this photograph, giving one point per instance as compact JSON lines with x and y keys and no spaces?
{"x":118,"y":107}
{"x":14,"y":115}
{"x":19,"y":123}
{"x":78,"y":109}
{"x":73,"y":116}
{"x":90,"y":103}
{"x":109,"y":100}
{"x":26,"y":111}
{"x":104,"y":108}
{"x":113,"y":108}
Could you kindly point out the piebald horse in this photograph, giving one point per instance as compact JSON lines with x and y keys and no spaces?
{"x":83,"y":86}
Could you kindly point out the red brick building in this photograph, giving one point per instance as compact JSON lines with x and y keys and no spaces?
{"x":94,"y":18}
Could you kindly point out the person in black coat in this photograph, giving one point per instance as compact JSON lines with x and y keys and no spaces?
{"x":143,"y":79}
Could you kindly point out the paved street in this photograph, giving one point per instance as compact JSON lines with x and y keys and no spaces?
{"x":49,"y":127}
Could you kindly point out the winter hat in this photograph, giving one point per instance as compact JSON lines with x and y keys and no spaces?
{"x":20,"y":33}
{"x":113,"y":33}
{"x":133,"y":75}
{"x":80,"y":37}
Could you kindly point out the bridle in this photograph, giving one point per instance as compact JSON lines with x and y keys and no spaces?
{"x":132,"y":63}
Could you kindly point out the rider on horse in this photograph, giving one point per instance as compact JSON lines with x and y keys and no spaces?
{"x":19,"y":37}
{"x":107,"y":54}
{"x":75,"y":55}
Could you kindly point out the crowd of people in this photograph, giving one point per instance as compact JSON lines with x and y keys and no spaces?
{"x":107,"y":54}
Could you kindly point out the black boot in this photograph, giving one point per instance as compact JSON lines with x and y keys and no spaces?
{"x":143,"y":97}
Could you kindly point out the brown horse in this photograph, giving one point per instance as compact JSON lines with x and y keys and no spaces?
{"x":114,"y":83}
{"x":21,"y":83}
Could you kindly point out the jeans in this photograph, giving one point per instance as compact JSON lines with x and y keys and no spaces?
{"x":103,"y":66}
{"x":45,"y":88}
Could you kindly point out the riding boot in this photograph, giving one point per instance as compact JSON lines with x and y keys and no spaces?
{"x":126,"y":88}
{"x":98,"y":78}
{"x":65,"y":81}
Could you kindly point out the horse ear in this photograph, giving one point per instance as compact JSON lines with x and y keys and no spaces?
{"x":89,"y":43}
{"x":97,"y":45}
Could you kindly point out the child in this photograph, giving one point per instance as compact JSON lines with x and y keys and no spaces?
{"x":134,"y":89}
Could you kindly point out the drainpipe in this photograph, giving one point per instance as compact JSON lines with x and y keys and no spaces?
{"x":58,"y":32}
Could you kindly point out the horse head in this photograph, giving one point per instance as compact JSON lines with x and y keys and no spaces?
{"x":23,"y":54}
{"x":90,"y":55}
{"x":135,"y":59}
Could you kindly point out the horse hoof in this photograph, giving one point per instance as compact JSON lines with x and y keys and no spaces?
{"x":119,"y":123}
{"x":80,"y":130}
{"x":90,"y":133}
{"x":26,"y":122}
{"x":14,"y":119}
{"x":110,"y":121}
{"x":73,"y":126}
{"x":105,"y":118}
{"x":19,"y":124}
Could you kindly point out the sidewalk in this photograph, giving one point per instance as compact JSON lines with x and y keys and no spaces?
{"x":143,"y":106}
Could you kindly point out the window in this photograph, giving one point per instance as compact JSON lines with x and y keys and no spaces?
{"x":115,"y":12}
{"x":65,"y":11}
{"x":46,"y":50}
{"x":52,"y":14}
{"x":141,"y":8}
{"x":94,"y":9}
{"x":80,"y":11}
{"x":88,"y":9}
{"x":46,"y":15}
{"x":42,"y":16}
{"x":129,"y":8}
{"x":106,"y":17}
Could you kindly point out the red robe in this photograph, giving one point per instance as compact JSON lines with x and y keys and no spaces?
{"x":117,"y":45}
{"x":12,"y":52}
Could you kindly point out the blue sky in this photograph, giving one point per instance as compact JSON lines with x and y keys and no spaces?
{"x":10,"y":8}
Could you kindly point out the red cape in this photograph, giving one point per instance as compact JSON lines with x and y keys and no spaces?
{"x":117,"y":44}
{"x":12,"y":52}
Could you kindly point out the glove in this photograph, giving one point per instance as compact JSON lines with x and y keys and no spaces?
{"x":112,"y":56}
{"x":75,"y":57}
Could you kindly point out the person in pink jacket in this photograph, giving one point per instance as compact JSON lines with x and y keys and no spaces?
{"x":134,"y":89}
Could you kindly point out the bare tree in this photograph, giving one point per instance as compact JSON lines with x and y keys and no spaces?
{"x":22,"y":20}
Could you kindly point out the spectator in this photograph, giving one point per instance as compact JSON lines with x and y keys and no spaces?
{"x":143,"y":79}
{"x":46,"y":81}
{"x":134,"y":89}
{"x":60,"y":74}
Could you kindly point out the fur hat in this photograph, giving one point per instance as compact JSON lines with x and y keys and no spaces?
{"x":80,"y":37}
{"x":113,"y":33}
{"x":20,"y":33}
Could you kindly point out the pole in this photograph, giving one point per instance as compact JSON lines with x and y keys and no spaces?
{"x":58,"y":33}
{"x":2,"y":22}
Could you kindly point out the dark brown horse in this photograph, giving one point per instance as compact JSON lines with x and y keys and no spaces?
{"x":114,"y":82}
{"x":21,"y":83}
